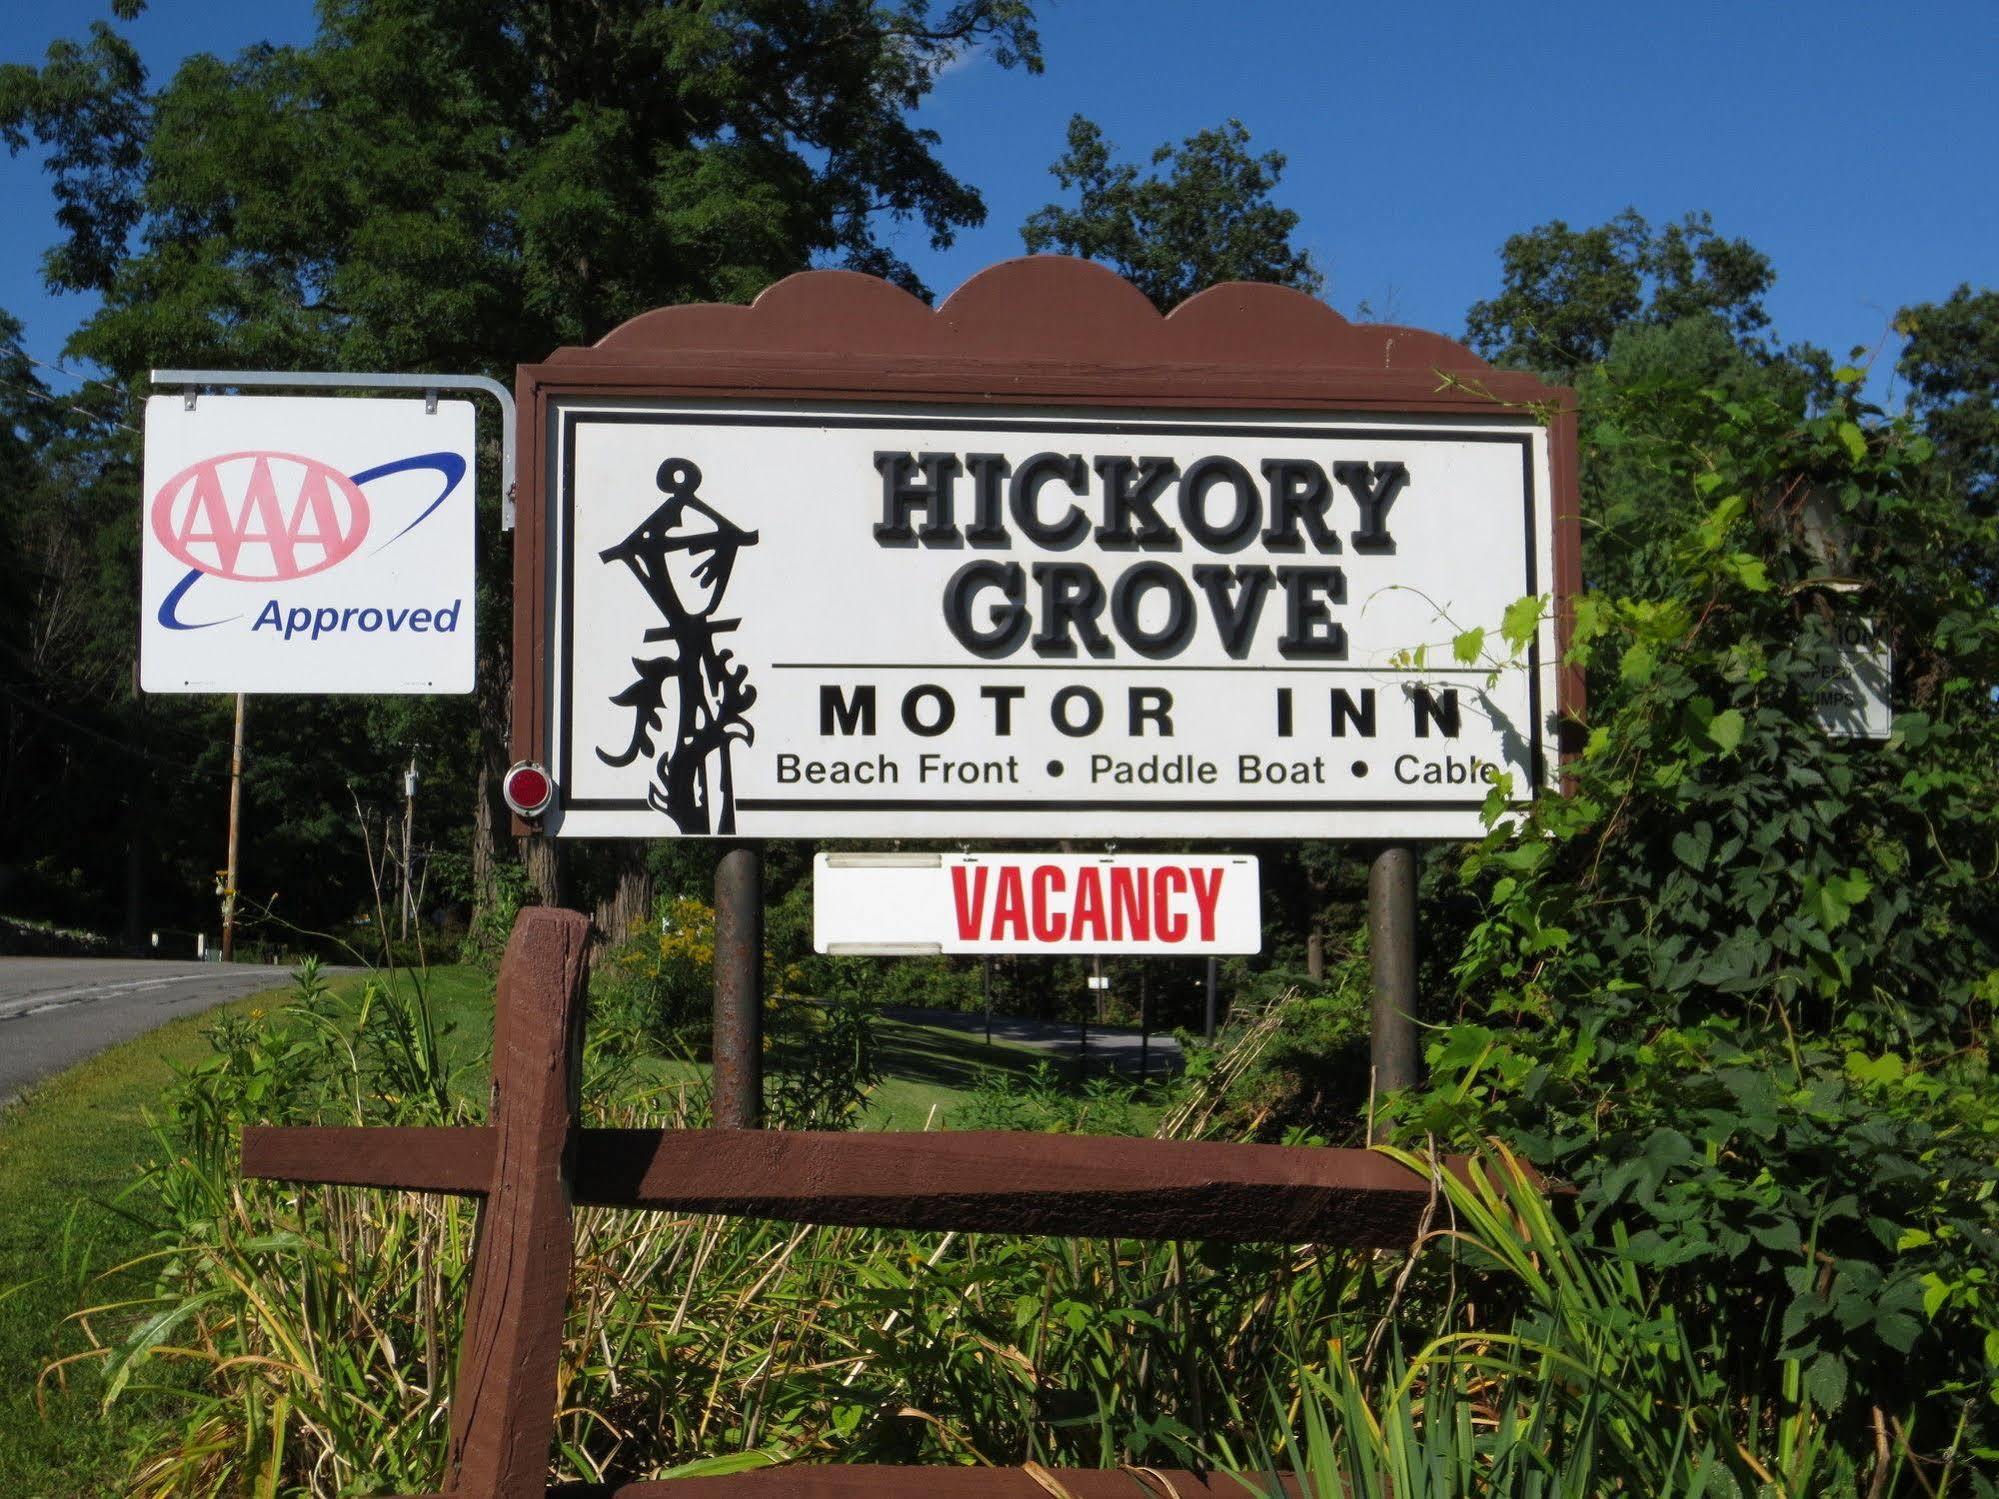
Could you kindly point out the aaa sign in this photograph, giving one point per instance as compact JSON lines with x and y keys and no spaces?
{"x":306,"y":545}
{"x":1035,"y":903}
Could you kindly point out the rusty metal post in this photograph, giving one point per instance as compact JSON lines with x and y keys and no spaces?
{"x":737,"y":1084}
{"x":1391,"y":930}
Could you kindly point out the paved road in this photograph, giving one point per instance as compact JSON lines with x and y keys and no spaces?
{"x":1110,"y":1045}
{"x":56,"y":1011}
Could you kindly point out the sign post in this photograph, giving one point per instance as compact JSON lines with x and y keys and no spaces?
{"x":737,"y":1053}
{"x":1391,"y":930}
{"x":229,"y":874}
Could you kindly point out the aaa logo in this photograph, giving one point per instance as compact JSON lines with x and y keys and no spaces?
{"x":269,"y":517}
{"x":260,"y":517}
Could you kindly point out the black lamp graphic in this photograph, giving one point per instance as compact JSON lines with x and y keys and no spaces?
{"x":683,"y":554}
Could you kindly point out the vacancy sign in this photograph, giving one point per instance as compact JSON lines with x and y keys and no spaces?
{"x":310,"y":545}
{"x":1035,"y":903}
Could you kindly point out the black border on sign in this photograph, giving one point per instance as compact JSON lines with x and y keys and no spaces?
{"x":566,"y":564}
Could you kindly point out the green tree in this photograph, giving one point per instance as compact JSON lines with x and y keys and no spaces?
{"x":1951,"y":362}
{"x":1636,"y":506}
{"x":77,"y":756}
{"x":1208,"y":219}
{"x":1739,"y":986}
{"x":1567,"y":291}
{"x":458,"y":185}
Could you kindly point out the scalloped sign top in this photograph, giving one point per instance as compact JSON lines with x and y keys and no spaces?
{"x":1037,"y":308}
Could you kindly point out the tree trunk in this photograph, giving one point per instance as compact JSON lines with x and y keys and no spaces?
{"x":490,"y":817}
{"x":543,"y":857}
{"x":630,"y":900}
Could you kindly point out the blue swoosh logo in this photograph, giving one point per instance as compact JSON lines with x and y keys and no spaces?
{"x":450,"y":465}
{"x":180,"y":592}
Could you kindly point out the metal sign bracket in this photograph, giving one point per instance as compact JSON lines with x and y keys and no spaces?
{"x":430,"y":385}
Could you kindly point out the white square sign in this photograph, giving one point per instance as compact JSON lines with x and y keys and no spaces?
{"x":1856,"y":669}
{"x":299,"y":544}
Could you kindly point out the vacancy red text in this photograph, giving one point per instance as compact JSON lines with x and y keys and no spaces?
{"x":1043,"y":903}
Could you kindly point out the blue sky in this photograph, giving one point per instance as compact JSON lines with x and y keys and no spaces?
{"x":1854,"y":143}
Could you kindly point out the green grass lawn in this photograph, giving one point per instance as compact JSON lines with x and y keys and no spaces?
{"x":70,"y":1157}
{"x":71,"y":1153}
{"x":928,"y":1071}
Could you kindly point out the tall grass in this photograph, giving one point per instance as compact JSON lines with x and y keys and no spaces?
{"x":1501,"y":1356}
{"x":1550,"y":1370}
{"x":325,"y":1321}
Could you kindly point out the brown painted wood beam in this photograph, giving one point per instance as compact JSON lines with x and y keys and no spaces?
{"x":994,"y":1182}
{"x":409,"y":1160}
{"x":1001,"y":1182}
{"x":864,"y":1481}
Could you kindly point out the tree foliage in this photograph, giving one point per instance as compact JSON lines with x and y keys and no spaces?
{"x":1741,"y":986}
{"x":1951,"y":361}
{"x":1207,"y":219}
{"x":1567,"y":292}
{"x":436,"y":185}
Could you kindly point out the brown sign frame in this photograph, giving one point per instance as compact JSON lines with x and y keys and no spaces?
{"x":1041,"y":330}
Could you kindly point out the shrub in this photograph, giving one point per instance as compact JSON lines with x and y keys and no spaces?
{"x":1739,"y":987}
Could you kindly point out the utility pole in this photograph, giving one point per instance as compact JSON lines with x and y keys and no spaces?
{"x":235,"y":828}
{"x":409,"y":820}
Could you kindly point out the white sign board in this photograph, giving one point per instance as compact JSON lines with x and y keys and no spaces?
{"x":889,"y":623}
{"x":1856,"y":669}
{"x":1035,"y":903}
{"x":306,"y":545}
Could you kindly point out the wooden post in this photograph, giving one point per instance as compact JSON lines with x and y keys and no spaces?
{"x":736,"y":1086}
{"x":235,"y":829}
{"x":409,"y":825}
{"x":1391,"y":929}
{"x":503,"y":1406}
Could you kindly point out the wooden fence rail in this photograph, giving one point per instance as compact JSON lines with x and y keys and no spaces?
{"x":535,"y":1162}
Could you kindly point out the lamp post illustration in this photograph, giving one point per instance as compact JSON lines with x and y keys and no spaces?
{"x":683,"y":554}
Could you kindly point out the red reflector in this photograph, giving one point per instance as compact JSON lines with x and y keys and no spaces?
{"x":528,"y":789}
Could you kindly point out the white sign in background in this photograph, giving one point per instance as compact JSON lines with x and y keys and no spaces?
{"x":1035,"y":903}
{"x":735,"y":650}
{"x":307,"y":544}
{"x":1856,"y":670}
